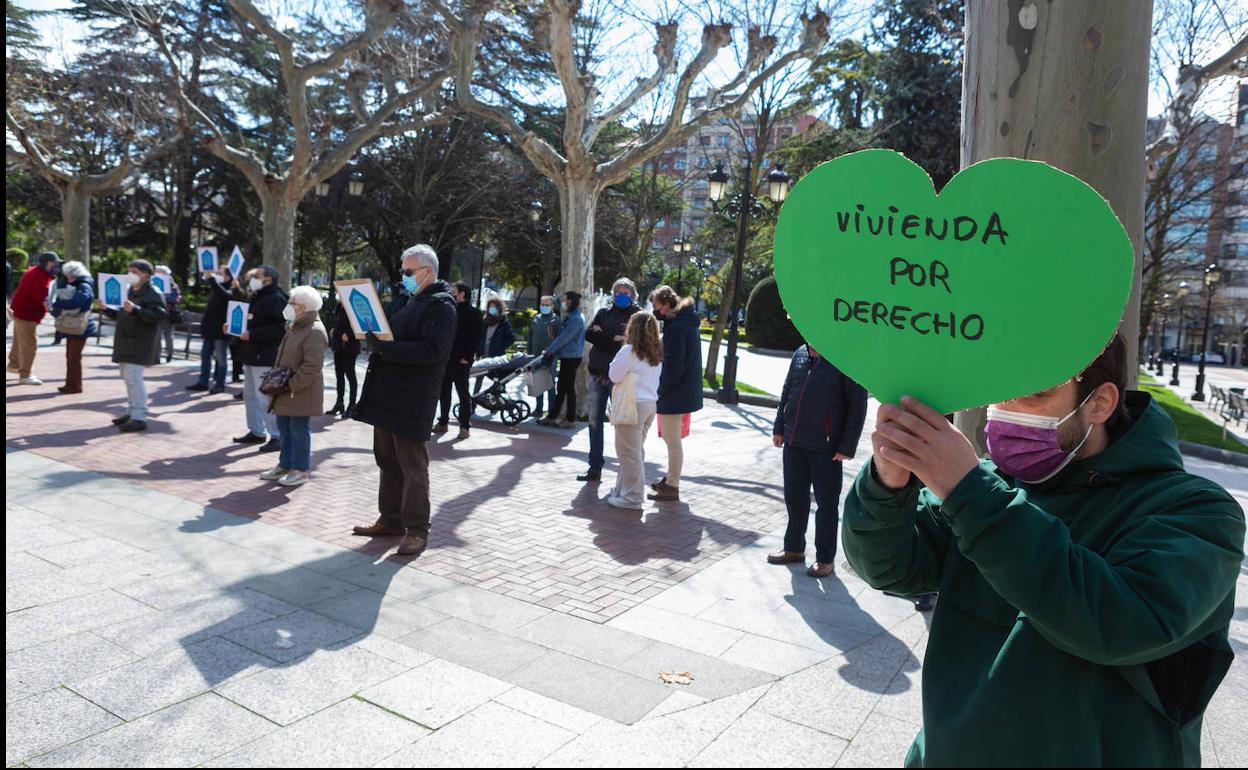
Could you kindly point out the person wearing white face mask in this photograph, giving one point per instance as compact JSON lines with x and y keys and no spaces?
{"x":1087,"y":580}
{"x":136,"y":343}
{"x":543,"y":330}
{"x":257,"y":349}
{"x":302,"y":353}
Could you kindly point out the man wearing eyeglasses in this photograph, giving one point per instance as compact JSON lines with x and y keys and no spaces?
{"x":400,"y":397}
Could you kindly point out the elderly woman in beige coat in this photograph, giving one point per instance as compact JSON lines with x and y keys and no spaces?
{"x":303,"y":353}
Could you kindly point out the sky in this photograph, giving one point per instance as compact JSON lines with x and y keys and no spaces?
{"x":60,"y":35}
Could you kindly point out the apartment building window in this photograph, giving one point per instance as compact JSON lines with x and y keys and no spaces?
{"x":701,"y":161}
{"x":723,"y":140}
{"x":680,"y":164}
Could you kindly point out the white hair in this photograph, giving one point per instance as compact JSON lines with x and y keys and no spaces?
{"x":423,"y":253}
{"x":164,"y":269}
{"x":307,"y":297}
{"x":75,"y":270}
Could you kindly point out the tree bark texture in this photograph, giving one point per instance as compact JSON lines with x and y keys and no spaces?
{"x":76,"y":220}
{"x":1067,"y":84}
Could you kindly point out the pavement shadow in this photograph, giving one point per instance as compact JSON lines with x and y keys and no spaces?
{"x":827,"y":607}
{"x":288,"y":639}
{"x":669,"y":532}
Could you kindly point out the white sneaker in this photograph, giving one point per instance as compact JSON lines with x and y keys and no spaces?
{"x":294,"y":479}
{"x":619,"y":502}
{"x":31,"y":380}
{"x":273,"y":474}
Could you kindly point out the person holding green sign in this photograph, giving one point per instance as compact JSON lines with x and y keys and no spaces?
{"x":1087,"y":582}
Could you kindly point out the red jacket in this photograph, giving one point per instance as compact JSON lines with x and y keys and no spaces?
{"x":32,"y":292}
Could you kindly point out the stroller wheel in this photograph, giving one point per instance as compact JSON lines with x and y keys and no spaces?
{"x":525,"y":408}
{"x":457,"y":411}
{"x":512,"y":414}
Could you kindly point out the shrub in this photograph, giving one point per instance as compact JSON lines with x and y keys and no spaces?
{"x":766,"y":323}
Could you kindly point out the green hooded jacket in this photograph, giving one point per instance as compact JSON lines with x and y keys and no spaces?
{"x":1082,"y":621}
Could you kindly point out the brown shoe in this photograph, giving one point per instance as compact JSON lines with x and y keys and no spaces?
{"x":660,"y":483}
{"x":786,"y":557}
{"x":411,"y":545}
{"x":664,"y":492}
{"x":820,"y":569}
{"x":378,"y":529}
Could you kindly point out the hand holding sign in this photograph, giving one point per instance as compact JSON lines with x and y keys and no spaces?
{"x":1010,"y":281}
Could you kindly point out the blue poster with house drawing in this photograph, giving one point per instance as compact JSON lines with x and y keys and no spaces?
{"x":111,"y":289}
{"x":236,"y":318}
{"x":364,"y":314}
{"x":207,"y":259}
{"x":235,"y":264}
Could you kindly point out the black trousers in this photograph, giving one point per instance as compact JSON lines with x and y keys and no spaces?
{"x":344,"y":369}
{"x":802,"y":469}
{"x":457,"y":375}
{"x":565,"y":388}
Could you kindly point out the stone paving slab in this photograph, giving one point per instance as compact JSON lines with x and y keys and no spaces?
{"x":47,"y":721}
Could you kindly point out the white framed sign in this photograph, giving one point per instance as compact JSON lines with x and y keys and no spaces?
{"x":363,"y":306}
{"x":206,"y":259}
{"x":236,"y":318}
{"x":111,"y":289}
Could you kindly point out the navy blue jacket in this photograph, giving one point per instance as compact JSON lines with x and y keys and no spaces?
{"x":821,"y":410}
{"x":84,"y":295}
{"x":680,"y":383}
{"x":502,"y":339}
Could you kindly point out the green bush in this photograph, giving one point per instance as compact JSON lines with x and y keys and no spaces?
{"x":766,"y":323}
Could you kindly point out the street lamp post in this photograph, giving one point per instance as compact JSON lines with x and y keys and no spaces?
{"x":1211,"y":280}
{"x":335,"y":193}
{"x":1161,"y":348}
{"x":682,"y":247}
{"x":1178,"y":340}
{"x":744,"y":205}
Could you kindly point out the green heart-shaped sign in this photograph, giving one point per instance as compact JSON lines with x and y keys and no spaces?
{"x":1012,"y":280}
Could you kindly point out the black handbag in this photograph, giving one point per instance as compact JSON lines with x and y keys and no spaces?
{"x":276,"y":381}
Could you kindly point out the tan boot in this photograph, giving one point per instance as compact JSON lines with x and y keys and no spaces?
{"x":378,"y":529}
{"x":411,"y":545}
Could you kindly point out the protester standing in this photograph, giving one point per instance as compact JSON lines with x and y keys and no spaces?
{"x":136,"y":343}
{"x":302,"y":354}
{"x":496,"y":334}
{"x":567,"y":349}
{"x":212,"y":353}
{"x":818,"y":423}
{"x":72,"y":310}
{"x":29,"y":305}
{"x":468,"y":334}
{"x":680,"y":389}
{"x":635,"y":370}
{"x":257,"y":349}
{"x":543,"y":330}
{"x":173,"y":308}
{"x":346,"y":351}
{"x":605,"y":334}
{"x":400,"y":398}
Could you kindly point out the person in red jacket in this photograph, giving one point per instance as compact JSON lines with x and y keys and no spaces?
{"x":29,"y":305}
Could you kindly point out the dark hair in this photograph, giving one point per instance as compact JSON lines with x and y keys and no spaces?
{"x":47,"y":256}
{"x":460,"y":286}
{"x":1109,"y":366}
{"x":666,"y":295}
{"x":142,"y":265}
{"x":574,"y":300}
{"x":270,"y":272}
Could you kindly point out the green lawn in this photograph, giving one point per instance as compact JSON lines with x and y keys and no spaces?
{"x":741,"y":388}
{"x":1193,"y":426}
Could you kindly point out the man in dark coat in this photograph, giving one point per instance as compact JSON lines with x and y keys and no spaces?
{"x":400,"y":398}
{"x":818,"y":423}
{"x":219,"y":286}
{"x":463,"y":351}
{"x":606,"y":335}
{"x":136,"y":343}
{"x":257,"y":349}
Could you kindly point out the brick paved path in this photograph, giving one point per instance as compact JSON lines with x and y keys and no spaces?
{"x":507,"y":513}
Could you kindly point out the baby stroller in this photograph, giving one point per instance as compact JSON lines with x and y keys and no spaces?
{"x":501,"y":370}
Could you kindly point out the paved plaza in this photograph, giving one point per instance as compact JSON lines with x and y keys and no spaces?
{"x":167,"y":608}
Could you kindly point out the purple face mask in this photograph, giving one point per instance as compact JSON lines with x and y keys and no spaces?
{"x":1025,"y":446}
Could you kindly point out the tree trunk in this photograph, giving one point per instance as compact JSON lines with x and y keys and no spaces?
{"x":278,"y":214}
{"x":76,"y":220}
{"x":721,"y":325}
{"x":1067,"y":84}
{"x":578,"y":202}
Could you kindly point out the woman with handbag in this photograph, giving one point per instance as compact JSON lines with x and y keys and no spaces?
{"x":72,"y":311}
{"x":635,"y":370}
{"x":295,"y":386}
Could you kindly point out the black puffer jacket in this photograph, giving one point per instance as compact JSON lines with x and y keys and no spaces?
{"x":265,"y":328}
{"x":219,"y":296}
{"x":136,"y":340}
{"x":612,"y":321}
{"x":821,"y":410}
{"x":342,"y":325}
{"x":467,"y":332}
{"x":404,"y":378}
